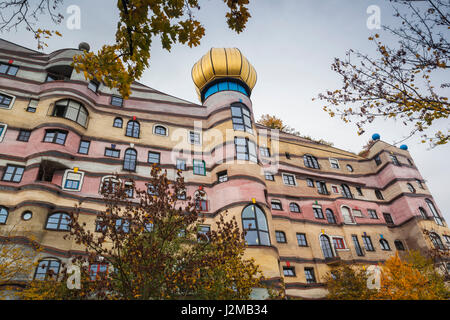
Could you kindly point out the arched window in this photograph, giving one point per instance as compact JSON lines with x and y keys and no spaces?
{"x":160,"y":130}
{"x":411,"y":188}
{"x":423,"y":213}
{"x":130,"y":159}
{"x":58,"y":221}
{"x":437,"y":242}
{"x":325,"y":244}
{"x":47,"y":268}
{"x":433,"y":210}
{"x":3,"y":215}
{"x":311,"y":161}
{"x":293,"y":207}
{"x":255,"y":224}
{"x":109,"y":184}
{"x":347,"y":215}
{"x":118,"y":122}
{"x":133,"y":129}
{"x":384,"y":245}
{"x":72,"y":110}
{"x":330,"y":216}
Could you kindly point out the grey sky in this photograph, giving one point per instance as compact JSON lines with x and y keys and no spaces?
{"x":292,"y":44}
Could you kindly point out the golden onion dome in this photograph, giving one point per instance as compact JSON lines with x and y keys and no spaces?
{"x":223,"y":63}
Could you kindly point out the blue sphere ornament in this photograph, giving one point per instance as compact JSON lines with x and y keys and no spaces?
{"x":375,"y":136}
{"x":404,"y":147}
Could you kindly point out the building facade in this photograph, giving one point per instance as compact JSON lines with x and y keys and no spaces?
{"x":305,"y":205}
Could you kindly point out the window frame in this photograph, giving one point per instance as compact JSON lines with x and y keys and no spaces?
{"x":56,"y":136}
{"x":248,"y":156}
{"x":13,"y":174}
{"x":296,"y":206}
{"x":278,"y":202}
{"x":196,"y":167}
{"x":8,"y":68}
{"x":158,"y":154}
{"x":115,"y":122}
{"x":59,"y":221}
{"x":134,"y":131}
{"x":302,"y":237}
{"x":289,"y":179}
{"x":311,"y":162}
{"x":3,"y":216}
{"x":3,"y":96}
{"x":242,"y":117}
{"x":280,"y":236}
{"x":132,"y":160}
{"x":65,"y":179}
{"x":69,"y":104}
{"x":80,"y":146}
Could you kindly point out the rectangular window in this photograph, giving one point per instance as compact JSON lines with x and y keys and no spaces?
{"x":5,"y":101}
{"x":194,"y":137}
{"x":276,"y":205}
{"x":222,"y":176}
{"x":84,"y":147}
{"x":24,"y":135}
{"x":379,"y":195}
{"x":358,"y":248}
{"x":338,"y":243}
{"x":289,"y":179}
{"x":245,"y":149}
{"x":335,"y":189}
{"x":8,"y":69}
{"x":129,"y":190}
{"x":357,"y":213}
{"x":181,"y":164}
{"x":359,"y":190}
{"x":395,"y":160}
{"x":116,"y":101}
{"x":13,"y":173}
{"x":32,"y":105}
{"x":199,"y":167}
{"x":334,"y":163}
{"x":55,"y":136}
{"x":368,"y":243}
{"x":240,"y":116}
{"x":202,"y":232}
{"x":309,"y":274}
{"x":377,"y":160}
{"x":154,"y":157}
{"x":72,"y":180}
{"x":372,"y":214}
{"x":201,"y":205}
{"x":98,"y":271}
{"x":2,"y":131}
{"x":318,"y":213}
{"x":93,"y":85}
{"x":310,"y":183}
{"x":388,"y":218}
{"x":265,"y":152}
{"x":114,"y":153}
{"x":289,"y":271}
{"x":321,"y":187}
{"x":269,"y":176}
{"x":301,"y":240}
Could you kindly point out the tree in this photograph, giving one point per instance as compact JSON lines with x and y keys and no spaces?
{"x":119,"y":64}
{"x":151,"y":247}
{"x":403,"y":81}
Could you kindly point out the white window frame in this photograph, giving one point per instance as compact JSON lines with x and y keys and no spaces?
{"x":292,"y":175}
{"x":2,"y":135}
{"x":336,"y":161}
{"x":66,"y":174}
{"x":167,"y":130}
{"x":13,"y":99}
{"x":106,"y":177}
{"x":359,"y":215}
{"x":200,"y":138}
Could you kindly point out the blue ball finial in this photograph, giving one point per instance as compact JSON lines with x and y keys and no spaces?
{"x":404,"y":147}
{"x":375,"y":136}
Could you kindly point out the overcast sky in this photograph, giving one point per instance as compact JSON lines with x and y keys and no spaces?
{"x":292,"y":44}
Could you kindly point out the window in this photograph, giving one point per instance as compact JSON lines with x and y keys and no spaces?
{"x":201,"y":205}
{"x":388,"y":218}
{"x":330,"y":216}
{"x":349,"y":168}
{"x":358,"y":248}
{"x":72,"y":110}
{"x":379,"y":195}
{"x":335,"y":189}
{"x":24,"y":135}
{"x":280,"y":236}
{"x":423,"y":213}
{"x":194,"y":137}
{"x":325,"y":245}
{"x":223,"y":86}
{"x":357,"y":213}
{"x":47,"y":268}
{"x":368,"y":243}
{"x":289,"y":271}
{"x":318,"y":213}
{"x":338,"y":243}
{"x":301,"y":240}
{"x":436,"y":240}
{"x":55,"y":136}
{"x":3,"y":215}
{"x":181,"y":195}
{"x":8,"y":69}
{"x":322,"y":187}
{"x":181,"y":164}
{"x":372,"y":214}
{"x":2,"y":131}
{"x":421,"y":186}
{"x":346,"y":191}
{"x":116,"y":101}
{"x":73,"y":180}
{"x":133,"y":129}
{"x":309,"y":275}
{"x":394,"y":160}
{"x":385,"y":245}
{"x":293,"y":207}
{"x":32,"y":105}
{"x":276,"y":205}
{"x":98,"y":271}
{"x":130,"y":160}
{"x":93,"y":85}
{"x":334,"y":163}
{"x":114,"y":153}
{"x":6,"y":101}
{"x":199,"y":167}
{"x":202,"y":232}
{"x":58,"y":221}
{"x":359,"y":190}
{"x":347,"y":215}
{"x":377,"y":160}
{"x":447,"y":240}
{"x":411,"y":188}
{"x":241,"y":119}
{"x":118,"y":123}
{"x":84,"y":147}
{"x":154,"y":157}
{"x":265,"y":152}
{"x":122,"y":225}
{"x":433,"y":210}
{"x":245,"y":149}
{"x":26,"y":215}
{"x":399,"y":245}
{"x":310,"y":183}
{"x":311,"y":162}
{"x":269,"y":176}
{"x":160,"y":130}
{"x":288,"y":155}
{"x":255,"y":225}
{"x":289,"y":179}
{"x":109,"y":184}
{"x":222,"y":176}
{"x":13,"y":173}
{"x":129,"y":189}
